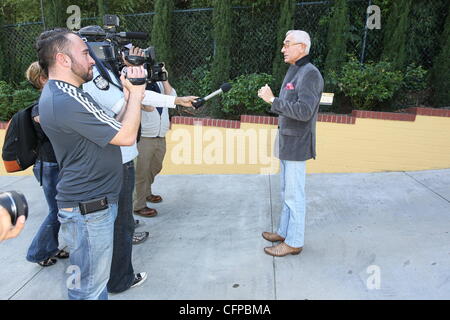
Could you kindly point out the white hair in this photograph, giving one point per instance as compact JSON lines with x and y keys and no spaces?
{"x":301,"y":36}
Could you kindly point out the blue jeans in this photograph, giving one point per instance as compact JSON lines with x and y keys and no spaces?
{"x":292,"y":221}
{"x":45,"y":242}
{"x":122,"y":272}
{"x":90,"y":241}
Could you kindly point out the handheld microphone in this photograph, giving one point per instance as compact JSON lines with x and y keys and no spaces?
{"x":200,"y":102}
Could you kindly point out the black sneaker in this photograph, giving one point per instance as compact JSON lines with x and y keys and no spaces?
{"x":139,"y":278}
{"x":139,"y":237}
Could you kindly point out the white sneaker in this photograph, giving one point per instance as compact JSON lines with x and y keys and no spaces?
{"x":139,"y":278}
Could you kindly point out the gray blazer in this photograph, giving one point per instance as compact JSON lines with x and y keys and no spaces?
{"x":298,"y":107}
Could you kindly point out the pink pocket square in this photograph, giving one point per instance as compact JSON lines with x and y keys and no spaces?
{"x":289,"y":86}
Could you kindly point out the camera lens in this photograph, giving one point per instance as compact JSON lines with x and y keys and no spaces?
{"x":15,"y":203}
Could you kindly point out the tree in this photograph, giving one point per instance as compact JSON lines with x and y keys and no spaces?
{"x":101,"y":11}
{"x":338,"y":35}
{"x":17,"y":11}
{"x":2,"y":51}
{"x":395,"y":34}
{"x":441,"y":69}
{"x":285,"y":23}
{"x":161,"y":31}
{"x":222,"y":35}
{"x":424,"y":30}
{"x":54,"y":13}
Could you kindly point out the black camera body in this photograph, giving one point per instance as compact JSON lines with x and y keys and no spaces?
{"x":154,"y":69}
{"x":108,"y":45}
{"x":15,"y":203}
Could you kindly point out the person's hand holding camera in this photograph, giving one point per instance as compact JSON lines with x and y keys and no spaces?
{"x":7,"y":230}
{"x":130,"y":88}
{"x":134,"y":51}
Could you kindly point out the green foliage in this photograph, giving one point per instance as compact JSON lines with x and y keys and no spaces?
{"x":368,"y":84}
{"x":199,"y":81}
{"x":161,"y":31}
{"x":396,"y":32}
{"x":285,"y":23}
{"x":101,"y":11}
{"x":6,"y":91}
{"x":338,"y":35}
{"x":12,"y":100}
{"x":441,"y":70}
{"x":55,"y":13}
{"x":255,"y":4}
{"x":2,"y":48}
{"x":415,"y":78}
{"x":426,"y":24}
{"x":16,"y":11}
{"x":22,"y":98}
{"x":222,"y":36}
{"x":221,"y":67}
{"x":243,"y":97}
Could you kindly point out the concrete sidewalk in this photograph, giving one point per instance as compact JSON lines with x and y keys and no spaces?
{"x":206,"y":241}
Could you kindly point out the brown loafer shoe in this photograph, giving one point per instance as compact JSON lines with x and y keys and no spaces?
{"x":272,"y":237}
{"x":282,"y":250}
{"x":154,"y":198}
{"x":146,"y":212}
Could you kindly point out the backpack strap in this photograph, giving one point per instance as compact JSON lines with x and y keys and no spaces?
{"x":102,"y":68}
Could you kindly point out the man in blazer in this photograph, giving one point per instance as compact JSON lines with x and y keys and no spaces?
{"x":297,"y":107}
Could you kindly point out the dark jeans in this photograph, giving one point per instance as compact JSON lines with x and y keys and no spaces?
{"x":122,"y":272}
{"x":45,"y":242}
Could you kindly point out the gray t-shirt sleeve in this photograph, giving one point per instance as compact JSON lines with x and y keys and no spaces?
{"x":81,"y":114}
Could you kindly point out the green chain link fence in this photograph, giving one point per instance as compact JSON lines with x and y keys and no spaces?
{"x":254,"y":38}
{"x":253,"y":45}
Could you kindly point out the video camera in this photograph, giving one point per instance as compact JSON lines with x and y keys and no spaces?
{"x":108,"y":45}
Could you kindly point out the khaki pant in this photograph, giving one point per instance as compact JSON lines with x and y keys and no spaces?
{"x":148,"y":165}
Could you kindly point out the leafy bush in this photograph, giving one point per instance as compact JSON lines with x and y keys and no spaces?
{"x":415,"y":78}
{"x":243,"y":97}
{"x":12,"y":100}
{"x":369,"y":84}
{"x":199,"y":83}
{"x":6,"y":91}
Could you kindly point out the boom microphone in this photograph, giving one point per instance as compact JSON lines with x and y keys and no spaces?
{"x":200,"y":102}
{"x":134,"y":35}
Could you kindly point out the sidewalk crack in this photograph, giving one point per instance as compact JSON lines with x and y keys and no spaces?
{"x":427,"y":187}
{"x":26,"y":283}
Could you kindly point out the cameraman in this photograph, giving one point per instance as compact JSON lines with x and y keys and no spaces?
{"x":7,"y":230}
{"x":86,"y":143}
{"x":111,"y":99}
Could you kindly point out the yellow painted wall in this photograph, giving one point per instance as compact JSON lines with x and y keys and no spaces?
{"x":368,"y":146}
{"x":203,"y":160}
{"x":383,"y":145}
